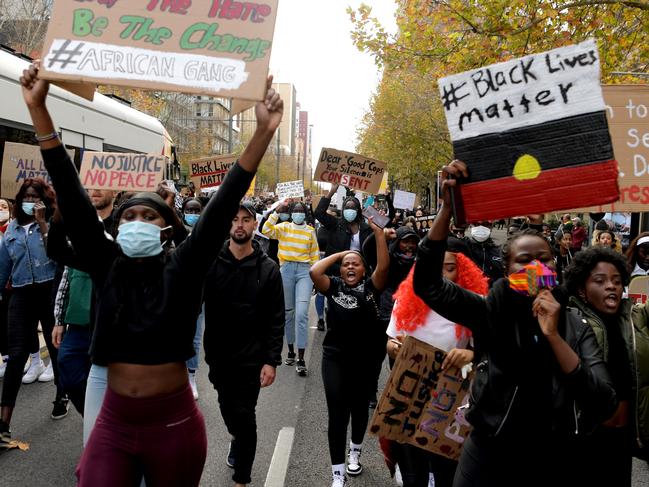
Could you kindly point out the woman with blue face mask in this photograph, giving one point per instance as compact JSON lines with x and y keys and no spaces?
{"x":191,"y":210}
{"x":345,"y":233}
{"x":147,"y":298}
{"x":297,"y":251}
{"x":24,"y":260}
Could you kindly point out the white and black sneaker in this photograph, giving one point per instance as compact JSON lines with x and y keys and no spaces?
{"x":300,"y":368}
{"x":5,"y":433}
{"x":338,"y":480}
{"x":60,"y":409}
{"x":354,"y":466}
{"x":230,"y":461}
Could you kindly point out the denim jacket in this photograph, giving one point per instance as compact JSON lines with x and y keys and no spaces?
{"x":23,"y":257}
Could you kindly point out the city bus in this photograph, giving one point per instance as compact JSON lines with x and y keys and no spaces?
{"x":104,"y":124}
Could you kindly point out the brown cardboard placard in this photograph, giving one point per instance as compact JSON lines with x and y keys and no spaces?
{"x":639,"y":289}
{"x":239,"y":106}
{"x":209,"y":172}
{"x":215,"y":48}
{"x":117,"y":171}
{"x":420,"y":402}
{"x":20,"y":162}
{"x":351,"y":170}
{"x":627,"y":111}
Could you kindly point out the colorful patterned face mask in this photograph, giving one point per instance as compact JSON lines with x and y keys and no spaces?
{"x":532,"y":278}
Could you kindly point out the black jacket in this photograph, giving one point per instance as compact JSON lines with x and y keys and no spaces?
{"x":578,"y":401}
{"x":397,"y":272}
{"x":339,"y":236}
{"x":146,"y":309}
{"x":244,"y":310}
{"x":488,"y":257}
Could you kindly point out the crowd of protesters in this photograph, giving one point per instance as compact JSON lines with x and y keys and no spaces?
{"x":127,"y":289}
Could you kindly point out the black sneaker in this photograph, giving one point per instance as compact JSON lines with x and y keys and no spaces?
{"x":60,"y":410}
{"x":290,"y":358}
{"x":231,"y":458}
{"x":5,"y":432}
{"x":321,"y":325}
{"x":300,"y":368}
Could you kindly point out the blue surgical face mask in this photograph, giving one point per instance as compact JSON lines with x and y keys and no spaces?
{"x":284,"y":217}
{"x":140,"y":239}
{"x":350,"y":214}
{"x":298,"y":218}
{"x":191,"y":218}
{"x":28,"y":207}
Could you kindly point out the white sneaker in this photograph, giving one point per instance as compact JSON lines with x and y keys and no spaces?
{"x":354,"y":466}
{"x":192,"y":384}
{"x":3,"y":369}
{"x":431,"y":479}
{"x":338,"y":480}
{"x":34,"y":372}
{"x":27,"y":364}
{"x":397,"y":476}
{"x":47,"y":375}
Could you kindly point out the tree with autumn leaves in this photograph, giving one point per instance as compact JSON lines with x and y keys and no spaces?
{"x":405,"y":123}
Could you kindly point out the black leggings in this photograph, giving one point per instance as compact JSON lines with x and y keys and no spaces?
{"x":415,"y":464}
{"x":347,"y":385}
{"x":28,"y":305}
{"x":4,"y":311}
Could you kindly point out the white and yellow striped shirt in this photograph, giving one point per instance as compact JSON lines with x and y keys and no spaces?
{"x":297,"y":243}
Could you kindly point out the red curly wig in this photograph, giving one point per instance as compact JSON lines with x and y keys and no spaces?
{"x":411,"y":311}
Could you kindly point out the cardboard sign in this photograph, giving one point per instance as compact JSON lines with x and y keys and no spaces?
{"x":404,"y":200}
{"x":420,"y":403}
{"x":639,"y":289}
{"x":20,"y":162}
{"x":290,"y":189}
{"x":627,"y":111}
{"x":216,"y":48}
{"x":209,"y":172}
{"x":117,"y":171}
{"x":533,"y":133}
{"x":349,"y":169}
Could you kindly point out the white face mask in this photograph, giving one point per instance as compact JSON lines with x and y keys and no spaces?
{"x":480,"y":233}
{"x":4,"y":216}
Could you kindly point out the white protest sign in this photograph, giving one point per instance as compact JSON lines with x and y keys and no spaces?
{"x":117,"y":171}
{"x":290,"y":189}
{"x":404,"y":200}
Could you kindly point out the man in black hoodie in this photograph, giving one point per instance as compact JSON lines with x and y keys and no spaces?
{"x":244,"y":334}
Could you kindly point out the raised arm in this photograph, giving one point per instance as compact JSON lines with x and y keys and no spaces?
{"x":271,"y":229}
{"x":445,"y":297}
{"x":380,"y":274}
{"x":318,"y":271}
{"x":201,"y":248}
{"x":82,"y":225}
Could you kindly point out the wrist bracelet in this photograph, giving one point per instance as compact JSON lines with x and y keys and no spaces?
{"x":44,"y":138}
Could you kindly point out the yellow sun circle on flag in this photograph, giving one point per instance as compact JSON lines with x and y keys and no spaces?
{"x":527,"y":167}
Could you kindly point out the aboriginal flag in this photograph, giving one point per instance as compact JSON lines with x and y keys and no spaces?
{"x":532,"y":147}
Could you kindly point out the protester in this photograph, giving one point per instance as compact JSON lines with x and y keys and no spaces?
{"x":637,"y":255}
{"x":298,"y":250}
{"x":6,"y":209}
{"x":563,"y":254}
{"x":353,"y":322}
{"x":606,"y":238}
{"x":411,"y":317}
{"x":147,"y":302}
{"x":402,"y":250}
{"x":191,"y":210}
{"x":345,"y":233}
{"x":23,"y":259}
{"x":540,"y":364}
{"x":596,"y":279}
{"x":579,"y":235}
{"x":243,"y":289}
{"x":484,"y":252}
{"x":74,"y":304}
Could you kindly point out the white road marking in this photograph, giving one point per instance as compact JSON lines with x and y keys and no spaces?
{"x":279,"y":463}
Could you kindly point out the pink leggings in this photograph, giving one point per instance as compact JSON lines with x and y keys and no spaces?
{"x":161,"y":438}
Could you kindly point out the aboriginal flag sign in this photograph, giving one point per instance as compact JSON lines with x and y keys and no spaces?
{"x":533,"y":133}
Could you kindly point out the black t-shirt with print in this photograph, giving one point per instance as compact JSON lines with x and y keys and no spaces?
{"x":352,"y":318}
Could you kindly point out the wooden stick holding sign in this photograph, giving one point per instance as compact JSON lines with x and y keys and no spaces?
{"x":214,"y":48}
{"x":351,"y":170}
{"x":117,"y":171}
{"x":533,"y":133}
{"x":421,"y":403}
